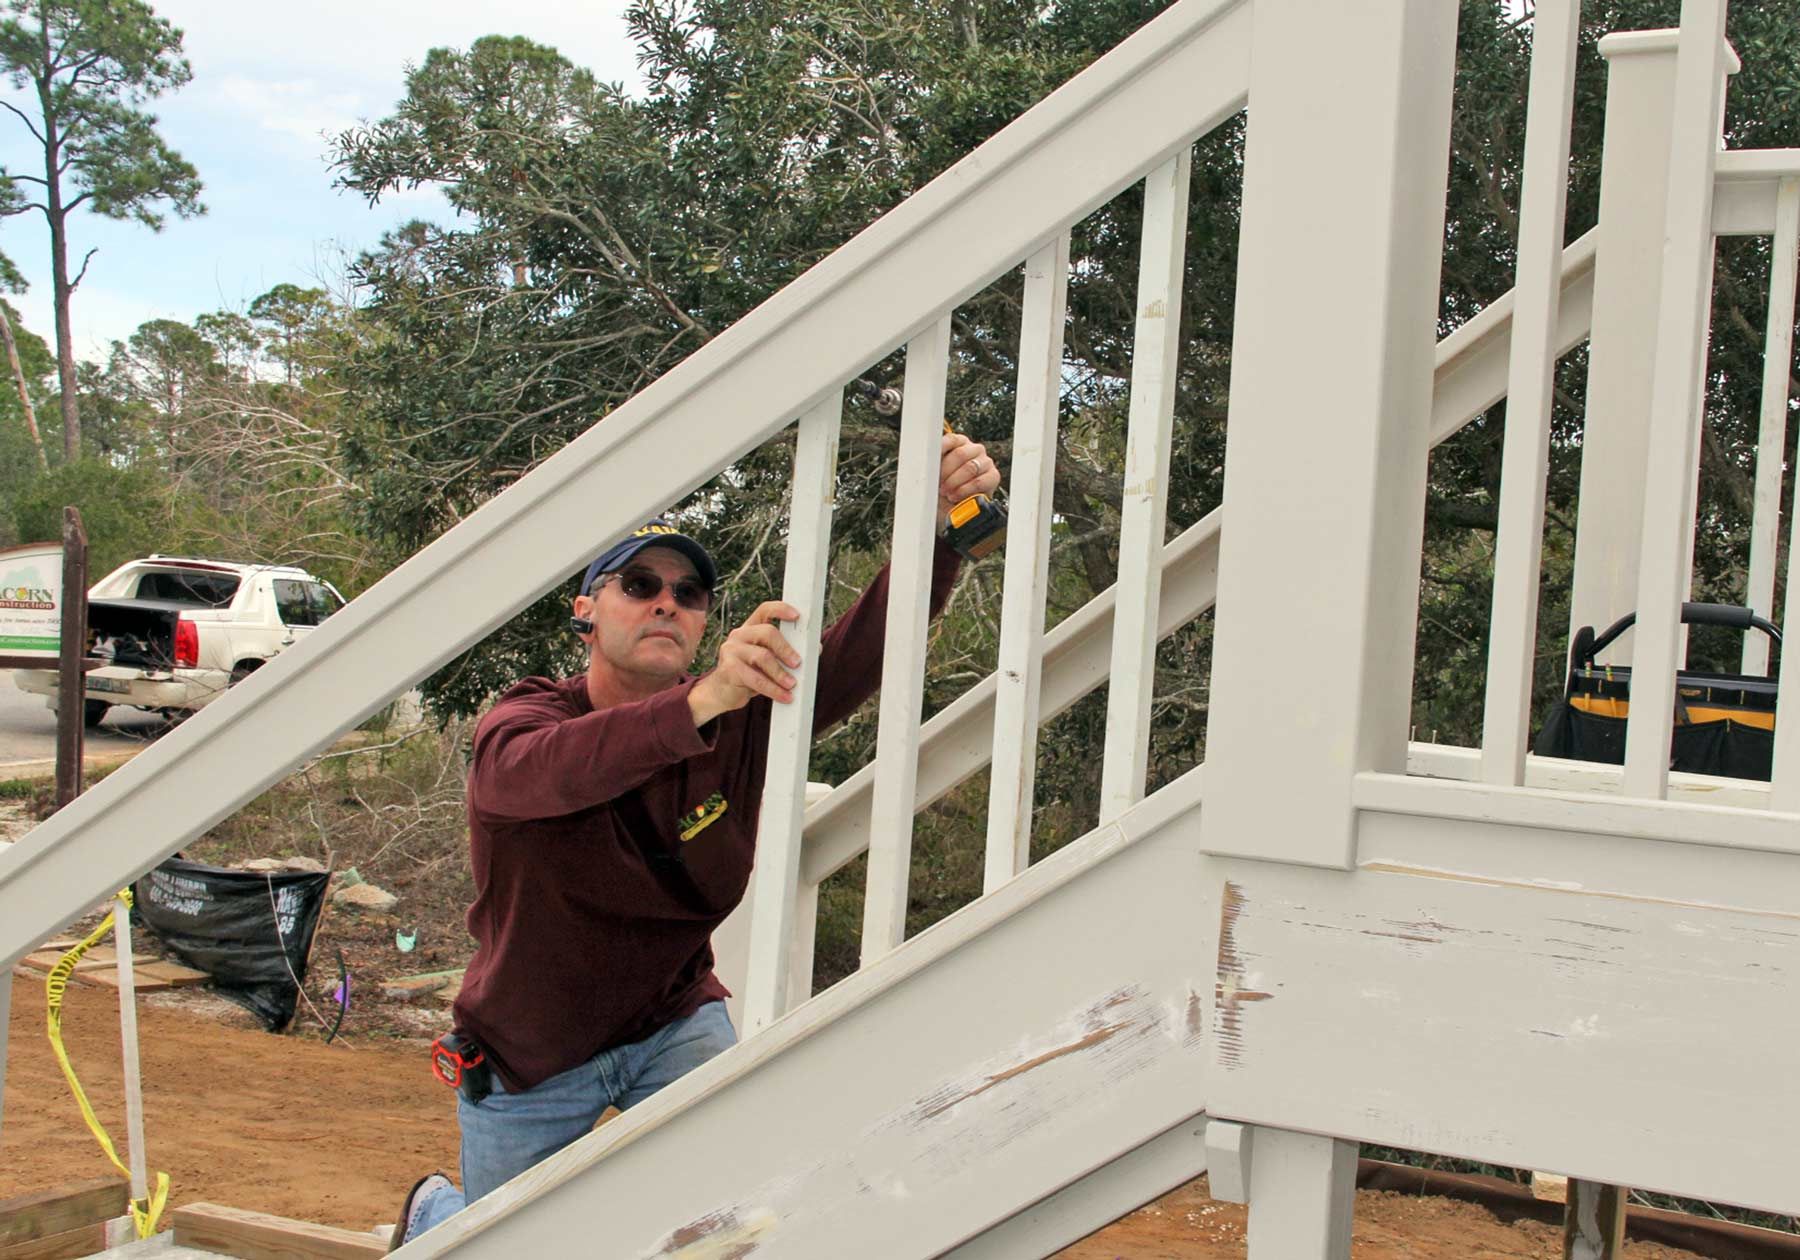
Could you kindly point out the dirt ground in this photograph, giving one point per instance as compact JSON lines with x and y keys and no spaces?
{"x":335,"y":1134}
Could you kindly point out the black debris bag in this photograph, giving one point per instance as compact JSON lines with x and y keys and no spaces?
{"x":250,"y":932}
{"x":1724,"y":723}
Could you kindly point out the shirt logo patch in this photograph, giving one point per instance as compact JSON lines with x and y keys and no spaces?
{"x":702,"y":816}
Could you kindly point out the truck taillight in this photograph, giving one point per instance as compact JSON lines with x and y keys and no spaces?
{"x":187,"y":644}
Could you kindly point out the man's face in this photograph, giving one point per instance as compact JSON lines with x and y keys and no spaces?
{"x":651,"y":639}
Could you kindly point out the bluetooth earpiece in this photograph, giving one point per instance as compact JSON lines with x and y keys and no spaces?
{"x":581,"y":625}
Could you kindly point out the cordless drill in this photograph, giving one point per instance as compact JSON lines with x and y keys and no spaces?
{"x":977,"y":525}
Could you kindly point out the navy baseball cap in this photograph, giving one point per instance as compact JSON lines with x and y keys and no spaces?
{"x":657,"y":533}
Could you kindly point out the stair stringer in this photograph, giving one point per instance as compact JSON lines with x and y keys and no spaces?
{"x":1024,"y":1042}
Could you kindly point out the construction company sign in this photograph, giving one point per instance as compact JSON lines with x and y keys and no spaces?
{"x":31,"y":599}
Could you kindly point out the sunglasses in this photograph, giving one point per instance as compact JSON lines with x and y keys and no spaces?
{"x":641,"y":584}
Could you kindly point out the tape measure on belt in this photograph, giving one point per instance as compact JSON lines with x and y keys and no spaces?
{"x":147,"y":1211}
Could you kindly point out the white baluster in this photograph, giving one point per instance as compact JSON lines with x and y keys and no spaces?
{"x":1144,"y":514}
{"x":903,"y":668}
{"x":1784,"y":786}
{"x":1778,"y":362}
{"x":778,"y":839}
{"x":1518,"y":551}
{"x":1681,"y":337}
{"x":1021,"y":657}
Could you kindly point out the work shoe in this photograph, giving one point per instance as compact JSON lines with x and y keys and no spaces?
{"x":411,"y":1207}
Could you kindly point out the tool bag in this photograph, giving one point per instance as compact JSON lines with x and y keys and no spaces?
{"x":1724,"y":723}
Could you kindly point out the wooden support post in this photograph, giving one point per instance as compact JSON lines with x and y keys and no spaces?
{"x":1302,"y":1192}
{"x":1594,"y":1224}
{"x":1771,"y":452}
{"x":1228,"y":1150}
{"x":1683,"y":318}
{"x":1634,"y":180}
{"x":128,"y":1044}
{"x":777,"y":875}
{"x":1312,"y":679}
{"x":71,"y":679}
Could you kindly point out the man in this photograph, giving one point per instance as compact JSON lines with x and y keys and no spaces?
{"x":612,"y":827}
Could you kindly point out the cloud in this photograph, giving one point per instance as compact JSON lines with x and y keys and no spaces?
{"x":303,"y":109}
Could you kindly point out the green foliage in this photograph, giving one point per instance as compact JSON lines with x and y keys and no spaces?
{"x":90,"y":65}
{"x":123,"y":510}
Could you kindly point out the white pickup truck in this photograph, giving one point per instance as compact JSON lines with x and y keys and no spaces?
{"x":178,"y":632}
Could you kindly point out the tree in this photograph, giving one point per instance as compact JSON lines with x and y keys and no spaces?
{"x":602,"y":238}
{"x":91,"y":65}
{"x":284,"y":315}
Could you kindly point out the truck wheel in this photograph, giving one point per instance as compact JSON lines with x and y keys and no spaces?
{"x":243,"y":670}
{"x":92,"y":711}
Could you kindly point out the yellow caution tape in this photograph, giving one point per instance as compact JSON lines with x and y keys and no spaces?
{"x":147,"y":1211}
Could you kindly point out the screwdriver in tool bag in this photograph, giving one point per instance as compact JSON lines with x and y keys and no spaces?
{"x":977,"y":525}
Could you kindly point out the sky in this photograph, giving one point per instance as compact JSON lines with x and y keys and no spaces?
{"x":271,"y":81}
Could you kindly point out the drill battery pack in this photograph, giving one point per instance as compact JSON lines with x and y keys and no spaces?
{"x":977,"y":527}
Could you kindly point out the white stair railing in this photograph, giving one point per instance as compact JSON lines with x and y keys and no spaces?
{"x":1175,"y":79}
{"x":1470,"y":375}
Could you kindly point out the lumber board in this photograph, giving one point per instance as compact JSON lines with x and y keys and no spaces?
{"x":31,"y":1217}
{"x":259,"y":1236}
{"x":96,"y":959}
{"x":146,"y":979}
{"x":68,"y":1244}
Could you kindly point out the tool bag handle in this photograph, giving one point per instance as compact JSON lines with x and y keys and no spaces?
{"x":1587,"y":646}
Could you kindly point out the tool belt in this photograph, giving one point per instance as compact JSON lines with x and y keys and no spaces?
{"x":460,"y":1063}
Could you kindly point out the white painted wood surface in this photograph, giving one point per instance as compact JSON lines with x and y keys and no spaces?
{"x":1302,"y":1190}
{"x":947,"y":1088}
{"x":1143,"y":515}
{"x":1634,"y":170}
{"x":1471,"y":367}
{"x":903,"y":664}
{"x":5,"y":1036}
{"x":128,"y":1045}
{"x":1517,"y":999}
{"x":1312,"y":680}
{"x":775,"y":878}
{"x":1784,"y":786}
{"x":1625,"y":815}
{"x":1439,"y":761}
{"x":1019,"y":676}
{"x":1683,"y":316}
{"x":1519,"y":539}
{"x":1160,"y":1165}
{"x":1179,"y":75}
{"x":1230,"y":1147}
{"x":1771,"y":446}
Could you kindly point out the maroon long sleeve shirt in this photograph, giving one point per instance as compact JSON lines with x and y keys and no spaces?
{"x":593,"y":917}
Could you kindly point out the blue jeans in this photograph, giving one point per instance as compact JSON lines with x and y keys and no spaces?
{"x":505,"y":1133}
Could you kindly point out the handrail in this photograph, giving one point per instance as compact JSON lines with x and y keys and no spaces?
{"x":1470,"y":377}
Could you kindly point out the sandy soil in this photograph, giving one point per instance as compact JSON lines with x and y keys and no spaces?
{"x":336,"y":1133}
